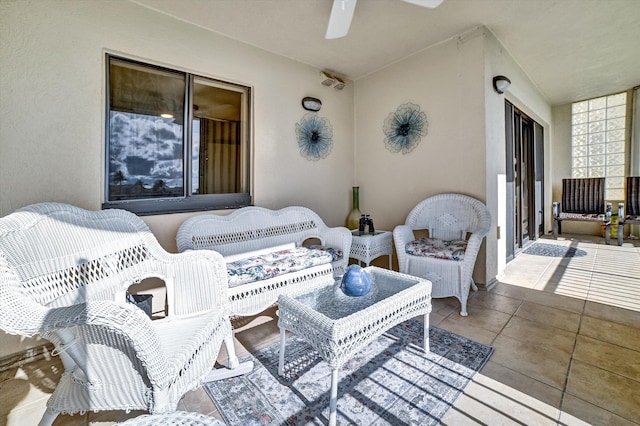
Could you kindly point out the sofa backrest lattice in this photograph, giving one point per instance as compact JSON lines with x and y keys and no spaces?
{"x":254,"y":228}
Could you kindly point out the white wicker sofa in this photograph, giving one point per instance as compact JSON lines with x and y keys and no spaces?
{"x":265,"y":255}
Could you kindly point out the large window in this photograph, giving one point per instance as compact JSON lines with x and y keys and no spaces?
{"x":598,"y":141}
{"x":156,"y":164}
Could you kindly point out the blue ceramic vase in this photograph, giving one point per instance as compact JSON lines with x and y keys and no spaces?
{"x":355,"y":282}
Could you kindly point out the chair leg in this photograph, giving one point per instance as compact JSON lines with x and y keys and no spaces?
{"x":48,"y":417}
{"x":234,"y":367}
{"x":556,"y":228}
{"x":231,"y":351}
{"x":620,"y":232}
{"x":473,"y":285}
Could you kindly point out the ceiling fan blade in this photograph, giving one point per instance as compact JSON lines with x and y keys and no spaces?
{"x":340,"y":19}
{"x":425,"y":3}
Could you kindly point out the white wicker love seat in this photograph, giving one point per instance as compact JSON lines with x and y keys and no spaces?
{"x":64,"y":273}
{"x":456,"y":225}
{"x":269,"y":241}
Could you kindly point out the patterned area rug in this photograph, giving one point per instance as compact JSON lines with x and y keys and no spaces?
{"x":389,"y":382}
{"x":554,"y":250}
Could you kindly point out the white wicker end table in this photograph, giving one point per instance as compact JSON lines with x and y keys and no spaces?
{"x":366,"y":247}
{"x":338,"y":326}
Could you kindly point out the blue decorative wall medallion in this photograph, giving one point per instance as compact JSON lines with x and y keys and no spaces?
{"x":404,"y":128}
{"x":315,"y":136}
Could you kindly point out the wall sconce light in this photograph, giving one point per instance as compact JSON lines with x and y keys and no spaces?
{"x":311,"y":104}
{"x":327,"y":79}
{"x":501,"y":83}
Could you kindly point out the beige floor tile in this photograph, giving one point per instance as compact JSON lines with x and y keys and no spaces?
{"x":512,"y":291}
{"x":469,"y":330}
{"x":576,"y":412}
{"x":607,"y":356}
{"x":607,"y":331}
{"x":30,"y":415}
{"x":197,"y":401}
{"x":481,"y":317}
{"x":614,"y":290}
{"x":489,"y":402}
{"x":257,"y":336}
{"x":531,"y":387}
{"x":435,"y":318}
{"x":12,"y":394}
{"x":565,"y":281}
{"x":623,"y":316}
{"x":445,"y":306}
{"x":544,"y":364}
{"x":521,"y":279}
{"x":554,"y":317}
{"x":583,"y":259}
{"x":495,"y":301}
{"x":607,"y":390}
{"x":108,"y":418}
{"x":557,"y":301}
{"x":540,"y":333}
{"x":617,"y":263}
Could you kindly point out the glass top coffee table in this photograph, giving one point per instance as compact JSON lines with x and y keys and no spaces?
{"x":337,"y":326}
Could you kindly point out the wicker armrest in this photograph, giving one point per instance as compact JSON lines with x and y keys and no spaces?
{"x":339,"y":238}
{"x":196,"y":281}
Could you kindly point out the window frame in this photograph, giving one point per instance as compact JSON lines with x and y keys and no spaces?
{"x":188,"y":202}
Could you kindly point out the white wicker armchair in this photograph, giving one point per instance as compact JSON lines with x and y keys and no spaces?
{"x":456,"y":225}
{"x":64,"y":272}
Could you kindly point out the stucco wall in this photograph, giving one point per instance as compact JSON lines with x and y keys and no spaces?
{"x":446,"y":82}
{"x":52,"y":87}
{"x":464,"y":150}
{"x":524,"y":95}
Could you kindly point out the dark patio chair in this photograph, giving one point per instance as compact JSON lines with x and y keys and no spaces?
{"x":629,"y":211}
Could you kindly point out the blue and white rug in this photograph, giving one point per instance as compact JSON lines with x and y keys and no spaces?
{"x":553,"y":250}
{"x":389,"y":382}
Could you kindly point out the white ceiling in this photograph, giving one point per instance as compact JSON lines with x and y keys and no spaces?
{"x":571,"y":49}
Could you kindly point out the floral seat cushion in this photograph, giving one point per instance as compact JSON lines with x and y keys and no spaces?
{"x":269,"y":265}
{"x":336,"y":254}
{"x":433,"y":247}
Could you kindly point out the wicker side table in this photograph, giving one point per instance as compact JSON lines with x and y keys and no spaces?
{"x":366,"y":247}
{"x":338,"y":326}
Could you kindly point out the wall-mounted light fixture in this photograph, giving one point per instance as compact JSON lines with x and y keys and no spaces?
{"x":326,"y":79}
{"x":311,"y":104}
{"x":501,"y":83}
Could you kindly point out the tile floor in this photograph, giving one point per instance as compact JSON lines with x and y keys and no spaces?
{"x":566,"y":333}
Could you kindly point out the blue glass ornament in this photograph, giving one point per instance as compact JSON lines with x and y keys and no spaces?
{"x":356,"y":281}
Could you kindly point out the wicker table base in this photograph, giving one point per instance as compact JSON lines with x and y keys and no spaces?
{"x":338,"y":326}
{"x":366,"y":247}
